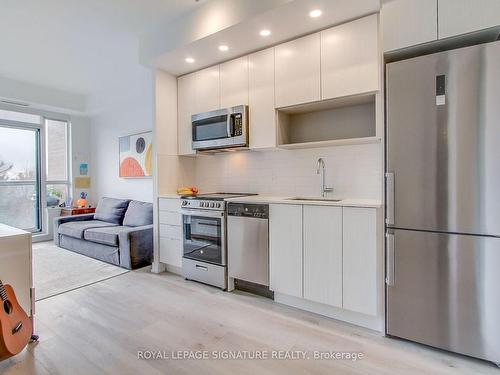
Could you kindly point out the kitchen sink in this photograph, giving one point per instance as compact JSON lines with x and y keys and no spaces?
{"x":322,"y":199}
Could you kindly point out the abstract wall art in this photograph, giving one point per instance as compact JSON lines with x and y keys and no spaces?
{"x":136,"y":155}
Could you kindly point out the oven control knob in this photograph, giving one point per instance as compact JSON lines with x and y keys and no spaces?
{"x":218,"y":205}
{"x":202,"y":204}
{"x":212,"y":205}
{"x":184,"y":203}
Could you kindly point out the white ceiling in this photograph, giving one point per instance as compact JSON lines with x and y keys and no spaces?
{"x":80,"y":46}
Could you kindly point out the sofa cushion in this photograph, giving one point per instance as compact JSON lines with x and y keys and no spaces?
{"x":111,"y":210}
{"x":76,"y":229}
{"x":105,"y":236}
{"x":138,"y":214}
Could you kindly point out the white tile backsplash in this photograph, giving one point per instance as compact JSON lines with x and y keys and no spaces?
{"x":354,"y":171}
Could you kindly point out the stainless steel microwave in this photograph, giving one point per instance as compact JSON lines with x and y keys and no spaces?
{"x":223,"y":128}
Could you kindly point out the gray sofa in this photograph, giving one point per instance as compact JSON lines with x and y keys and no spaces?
{"x":120,"y":232}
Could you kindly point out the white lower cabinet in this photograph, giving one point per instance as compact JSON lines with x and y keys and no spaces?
{"x":360,"y":260}
{"x":171,"y":251}
{"x":322,"y":230}
{"x":326,"y":255}
{"x":285,"y":249}
{"x":170,"y":231}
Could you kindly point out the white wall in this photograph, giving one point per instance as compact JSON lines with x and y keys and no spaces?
{"x":353,"y":171}
{"x":41,"y":97}
{"x":120,"y":111}
{"x":80,"y":150}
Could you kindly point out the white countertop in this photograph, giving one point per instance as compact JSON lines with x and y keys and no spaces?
{"x":372,"y":203}
{"x":170,"y":196}
{"x":6,"y":231}
{"x":267,"y":199}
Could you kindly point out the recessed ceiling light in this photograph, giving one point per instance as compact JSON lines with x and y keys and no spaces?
{"x":189,"y":60}
{"x":223,"y":47}
{"x":315,"y":13}
{"x":265,"y":32}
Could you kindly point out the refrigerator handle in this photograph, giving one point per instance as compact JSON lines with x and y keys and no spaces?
{"x":389,"y":183}
{"x":389,"y":260}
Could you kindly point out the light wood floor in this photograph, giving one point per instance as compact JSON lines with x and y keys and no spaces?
{"x":98,"y":329}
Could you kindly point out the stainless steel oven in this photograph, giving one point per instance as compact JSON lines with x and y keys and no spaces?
{"x":223,"y":128}
{"x":204,"y":242}
{"x":204,"y":236}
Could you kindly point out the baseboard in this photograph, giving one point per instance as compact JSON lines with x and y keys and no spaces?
{"x":157,"y":267}
{"x":375,"y":323}
{"x":173,"y":269}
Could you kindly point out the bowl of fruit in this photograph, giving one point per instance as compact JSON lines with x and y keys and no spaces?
{"x":187,"y":191}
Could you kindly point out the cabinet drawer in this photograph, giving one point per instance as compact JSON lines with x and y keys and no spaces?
{"x":171,"y":218}
{"x":169,"y":204}
{"x":171,"y":251}
{"x":171,"y":231}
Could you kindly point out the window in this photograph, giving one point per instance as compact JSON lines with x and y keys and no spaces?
{"x":57,"y":160}
{"x":26,"y":140}
{"x":19,"y":178}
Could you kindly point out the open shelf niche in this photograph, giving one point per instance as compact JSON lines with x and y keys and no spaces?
{"x":349,"y":120}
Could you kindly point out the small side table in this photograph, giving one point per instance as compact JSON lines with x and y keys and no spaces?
{"x":68,"y":211}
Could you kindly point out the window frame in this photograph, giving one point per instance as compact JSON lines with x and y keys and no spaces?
{"x":42,"y":152}
{"x":37,"y":183}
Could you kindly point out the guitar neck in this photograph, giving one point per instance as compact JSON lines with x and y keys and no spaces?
{"x":3,"y":292}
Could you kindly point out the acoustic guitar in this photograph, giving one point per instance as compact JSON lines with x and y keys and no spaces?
{"x":15,"y":325}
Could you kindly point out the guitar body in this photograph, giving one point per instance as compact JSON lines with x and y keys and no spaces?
{"x":15,"y":325}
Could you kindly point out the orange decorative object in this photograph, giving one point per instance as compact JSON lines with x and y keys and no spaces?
{"x":81,"y":202}
{"x":130,"y":167}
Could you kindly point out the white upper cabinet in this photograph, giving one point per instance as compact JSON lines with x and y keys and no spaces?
{"x":234,"y":82}
{"x":297,"y":70}
{"x":285,"y":249}
{"x":360,"y":279}
{"x":409,"y":22}
{"x":261,"y":99}
{"x":323,"y":254}
{"x":464,"y":16}
{"x":350,"y":58}
{"x":186,"y":90}
{"x":207,"y":91}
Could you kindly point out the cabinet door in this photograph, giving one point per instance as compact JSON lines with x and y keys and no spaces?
{"x":207,"y":93}
{"x":360,"y":259}
{"x":464,"y":16}
{"x":234,"y":82}
{"x":408,"y":23}
{"x":297,"y":69}
{"x":171,"y":251}
{"x":186,"y":89}
{"x":285,"y":249}
{"x":350,"y":58}
{"x":323,"y":254}
{"x":261,"y":99}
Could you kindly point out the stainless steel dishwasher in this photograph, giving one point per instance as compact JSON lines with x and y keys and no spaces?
{"x":248,"y":242}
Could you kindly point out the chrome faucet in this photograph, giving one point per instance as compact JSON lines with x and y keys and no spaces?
{"x":321,"y":169}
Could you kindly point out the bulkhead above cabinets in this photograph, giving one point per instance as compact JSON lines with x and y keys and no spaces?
{"x":341,"y":62}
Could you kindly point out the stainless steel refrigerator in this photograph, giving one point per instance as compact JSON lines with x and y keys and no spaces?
{"x":443,"y":200}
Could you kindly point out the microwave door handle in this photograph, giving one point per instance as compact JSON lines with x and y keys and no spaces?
{"x":230,"y":125}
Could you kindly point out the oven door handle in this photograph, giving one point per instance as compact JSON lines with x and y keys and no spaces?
{"x":202,"y":213}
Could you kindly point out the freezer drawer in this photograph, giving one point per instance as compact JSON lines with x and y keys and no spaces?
{"x":444,"y":291}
